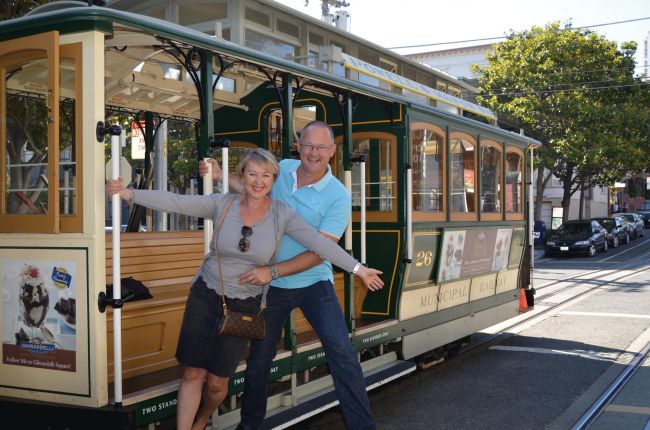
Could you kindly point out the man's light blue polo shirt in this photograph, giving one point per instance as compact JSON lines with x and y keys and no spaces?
{"x":325,"y":205}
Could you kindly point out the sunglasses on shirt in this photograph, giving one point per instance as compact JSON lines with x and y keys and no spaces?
{"x":244,"y":243}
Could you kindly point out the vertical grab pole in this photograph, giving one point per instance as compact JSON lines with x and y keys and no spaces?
{"x":207,"y":223}
{"x":224,"y":167}
{"x":66,"y":188}
{"x":362,"y":168}
{"x":409,"y":215}
{"x":349,"y":298}
{"x":531,"y":214}
{"x":347,"y":178}
{"x":117,"y":272}
{"x":348,"y":280}
{"x":362,"y":202}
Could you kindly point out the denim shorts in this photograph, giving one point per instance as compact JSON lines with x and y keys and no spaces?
{"x":199,"y":343}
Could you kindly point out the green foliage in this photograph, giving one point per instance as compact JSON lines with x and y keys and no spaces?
{"x":182,"y":155}
{"x":16,"y":8}
{"x":576,"y":92}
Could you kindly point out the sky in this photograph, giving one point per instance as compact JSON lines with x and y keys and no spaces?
{"x":392,"y":23}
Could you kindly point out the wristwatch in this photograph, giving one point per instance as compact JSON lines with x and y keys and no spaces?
{"x":275,"y":274}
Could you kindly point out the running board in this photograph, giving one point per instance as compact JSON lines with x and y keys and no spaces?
{"x":309,"y":399}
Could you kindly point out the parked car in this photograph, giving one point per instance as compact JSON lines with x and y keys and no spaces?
{"x":644,"y":213}
{"x":618,"y":230}
{"x":636,"y":224}
{"x":577,"y":237}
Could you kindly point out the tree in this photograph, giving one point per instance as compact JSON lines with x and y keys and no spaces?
{"x":182,"y":155}
{"x":576,"y":92}
{"x":15,"y":8}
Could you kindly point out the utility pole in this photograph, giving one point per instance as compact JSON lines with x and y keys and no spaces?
{"x":340,"y":18}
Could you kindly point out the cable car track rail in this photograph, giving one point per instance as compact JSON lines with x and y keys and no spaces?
{"x":612,"y":390}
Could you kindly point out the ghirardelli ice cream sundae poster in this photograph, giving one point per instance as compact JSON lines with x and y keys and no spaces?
{"x":39,"y":313}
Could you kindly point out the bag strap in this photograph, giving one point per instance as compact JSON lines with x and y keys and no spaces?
{"x":216,"y":249}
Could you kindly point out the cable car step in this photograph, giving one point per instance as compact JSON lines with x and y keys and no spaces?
{"x":314,"y":397}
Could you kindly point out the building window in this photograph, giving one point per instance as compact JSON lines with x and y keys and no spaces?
{"x":409,"y":73}
{"x":269,"y":45}
{"x":288,"y":28}
{"x":427,"y":160}
{"x":194,"y":13}
{"x":490,"y":198}
{"x":154,"y":12}
{"x":257,"y":17}
{"x":454,"y":92}
{"x":556,"y":182}
{"x":316,"y":39}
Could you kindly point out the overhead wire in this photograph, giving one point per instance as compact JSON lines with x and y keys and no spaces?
{"x":538,"y":92}
{"x":560,"y":84}
{"x":484,"y":63}
{"x":483,"y":39}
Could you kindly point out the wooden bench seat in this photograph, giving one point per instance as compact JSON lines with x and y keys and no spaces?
{"x":164,"y":262}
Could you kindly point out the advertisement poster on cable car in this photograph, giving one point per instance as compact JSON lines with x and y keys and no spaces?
{"x":451,"y":257}
{"x":479,"y":252}
{"x":502,"y":249}
{"x":517,"y":246}
{"x":39,"y":321}
{"x":40,"y":296}
{"x":472,"y":252}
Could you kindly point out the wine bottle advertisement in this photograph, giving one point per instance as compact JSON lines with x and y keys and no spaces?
{"x":39,"y":313}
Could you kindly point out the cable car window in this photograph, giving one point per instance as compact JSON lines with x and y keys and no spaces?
{"x":427,"y":161}
{"x":29,"y":127}
{"x":70,"y":147}
{"x":379,"y":173}
{"x":490,"y":199}
{"x":27,"y":149}
{"x":275,"y":132}
{"x":463,"y":173}
{"x":302,"y":115}
{"x":514,"y":167}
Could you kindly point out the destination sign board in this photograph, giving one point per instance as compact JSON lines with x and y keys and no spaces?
{"x":413,"y":86}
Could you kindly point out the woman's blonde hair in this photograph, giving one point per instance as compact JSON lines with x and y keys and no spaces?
{"x":261,"y":157}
